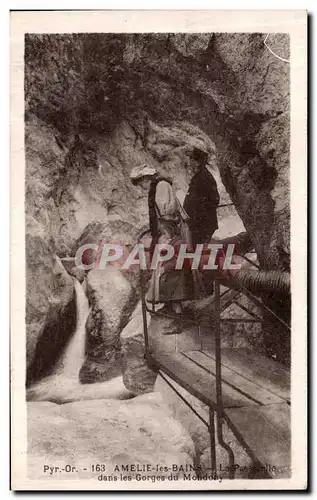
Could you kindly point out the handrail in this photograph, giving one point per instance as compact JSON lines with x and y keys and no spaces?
{"x":142,"y":234}
{"x":247,"y":281}
{"x":255,"y":282}
{"x":202,"y":323}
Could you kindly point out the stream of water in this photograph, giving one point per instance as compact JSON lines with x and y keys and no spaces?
{"x":63,"y":385}
{"x":74,"y":355}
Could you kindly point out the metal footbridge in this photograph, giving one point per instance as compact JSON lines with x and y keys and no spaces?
{"x":247,"y":390}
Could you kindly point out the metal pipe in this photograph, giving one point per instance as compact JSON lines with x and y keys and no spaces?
{"x":257,"y":282}
{"x":260,"y":282}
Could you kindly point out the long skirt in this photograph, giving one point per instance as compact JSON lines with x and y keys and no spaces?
{"x":173,"y":285}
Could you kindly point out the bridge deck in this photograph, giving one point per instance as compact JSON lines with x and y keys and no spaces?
{"x":255,"y":390}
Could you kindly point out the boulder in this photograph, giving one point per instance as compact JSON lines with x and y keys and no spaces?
{"x":113,"y":433}
{"x":112,"y":300}
{"x":115,"y":231}
{"x":50,"y":302}
{"x":137,"y":376}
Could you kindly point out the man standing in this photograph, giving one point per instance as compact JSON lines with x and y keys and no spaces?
{"x":202,"y":199}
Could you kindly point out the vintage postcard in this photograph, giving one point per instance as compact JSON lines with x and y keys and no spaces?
{"x":158,"y":242}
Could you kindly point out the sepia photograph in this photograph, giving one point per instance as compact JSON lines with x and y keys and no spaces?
{"x":158,"y":304}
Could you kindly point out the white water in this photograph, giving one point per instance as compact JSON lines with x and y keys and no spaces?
{"x":74,"y":355}
{"x":63,"y":385}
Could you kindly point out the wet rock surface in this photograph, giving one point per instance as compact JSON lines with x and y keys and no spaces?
{"x":112,"y":300}
{"x":50,"y":302}
{"x":109,"y":432}
{"x":137,"y":377}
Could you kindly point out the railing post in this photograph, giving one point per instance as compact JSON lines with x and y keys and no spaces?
{"x":219,"y":382}
{"x":145,"y":328}
{"x":212,"y":440}
{"x":218,"y":343}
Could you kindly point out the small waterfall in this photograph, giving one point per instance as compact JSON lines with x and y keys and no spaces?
{"x":63,"y":385}
{"x":74,"y":355}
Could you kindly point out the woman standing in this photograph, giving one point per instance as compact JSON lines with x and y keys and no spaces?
{"x":167,"y":226}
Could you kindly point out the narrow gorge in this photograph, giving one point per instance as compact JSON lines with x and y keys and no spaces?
{"x":97,"y":105}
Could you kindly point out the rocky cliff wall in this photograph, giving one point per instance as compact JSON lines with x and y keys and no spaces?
{"x":98,"y":105}
{"x":228,"y":85}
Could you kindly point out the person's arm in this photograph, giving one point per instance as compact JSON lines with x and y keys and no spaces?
{"x":166,"y":201}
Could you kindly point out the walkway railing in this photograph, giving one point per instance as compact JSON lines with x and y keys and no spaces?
{"x":250,"y":283}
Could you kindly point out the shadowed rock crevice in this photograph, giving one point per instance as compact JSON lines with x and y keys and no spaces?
{"x":60,"y":326}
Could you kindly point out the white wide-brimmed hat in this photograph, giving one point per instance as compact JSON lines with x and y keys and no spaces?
{"x":142,"y":171}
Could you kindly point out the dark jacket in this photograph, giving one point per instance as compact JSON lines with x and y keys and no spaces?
{"x":201,"y":203}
